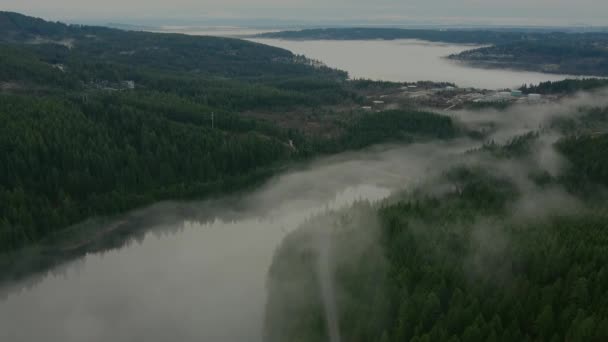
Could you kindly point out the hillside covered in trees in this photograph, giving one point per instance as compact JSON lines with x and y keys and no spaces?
{"x":497,"y":247}
{"x":574,"y":54}
{"x":568,"y":86}
{"x":97,"y":121}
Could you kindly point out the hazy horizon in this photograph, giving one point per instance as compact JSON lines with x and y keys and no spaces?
{"x":328,"y":12}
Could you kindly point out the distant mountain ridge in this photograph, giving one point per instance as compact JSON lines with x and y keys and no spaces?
{"x":224,"y":57}
{"x":15,"y":26}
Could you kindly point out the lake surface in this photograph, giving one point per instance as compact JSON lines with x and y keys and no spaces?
{"x":408,"y":61}
{"x":199,"y":273}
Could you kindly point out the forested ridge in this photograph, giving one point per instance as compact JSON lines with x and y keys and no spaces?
{"x":97,"y":121}
{"x":572,"y":55}
{"x":567,"y":86}
{"x":464,"y":36}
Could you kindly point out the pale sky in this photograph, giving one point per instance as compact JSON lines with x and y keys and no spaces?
{"x":498,"y":12}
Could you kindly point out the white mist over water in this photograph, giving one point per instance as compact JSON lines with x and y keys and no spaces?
{"x":192,"y":280}
{"x":204,"y":278}
{"x":328,"y":294}
{"x":326,"y":284}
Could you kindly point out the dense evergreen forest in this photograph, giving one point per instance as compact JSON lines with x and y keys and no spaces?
{"x":572,"y":53}
{"x":478,"y":254}
{"x":96,"y":121}
{"x":567,"y":86}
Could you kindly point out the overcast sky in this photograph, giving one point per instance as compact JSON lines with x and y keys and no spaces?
{"x":515,"y":12}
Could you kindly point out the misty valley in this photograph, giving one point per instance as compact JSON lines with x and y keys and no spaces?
{"x":313,"y":185}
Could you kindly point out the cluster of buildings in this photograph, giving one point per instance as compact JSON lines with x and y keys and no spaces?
{"x":113,"y":86}
{"x":448,"y":97}
{"x":513,"y":95}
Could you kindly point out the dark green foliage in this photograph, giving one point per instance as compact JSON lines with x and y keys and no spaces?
{"x":588,"y":157}
{"x":574,"y":54}
{"x":510,"y":281}
{"x":295,"y":310}
{"x":453,"y":275}
{"x":516,"y":147}
{"x":461,"y":266}
{"x":18,"y":64}
{"x":77,"y":143}
{"x":17,"y":26}
{"x":398,"y":125}
{"x":101,"y":50}
{"x":450,"y":36}
{"x":568,"y":86}
{"x":63,"y":162}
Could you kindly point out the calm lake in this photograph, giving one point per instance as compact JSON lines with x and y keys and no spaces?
{"x":408,"y":61}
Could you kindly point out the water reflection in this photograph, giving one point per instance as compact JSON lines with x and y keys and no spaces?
{"x":196,"y":272}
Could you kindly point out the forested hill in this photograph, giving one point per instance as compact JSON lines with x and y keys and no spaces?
{"x":568,"y":86}
{"x":483,"y":259}
{"x":97,"y":121}
{"x":449,"y":36}
{"x":18,"y":27}
{"x":460,"y":36}
{"x":96,"y":47}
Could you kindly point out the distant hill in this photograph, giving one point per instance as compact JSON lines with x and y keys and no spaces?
{"x":459,"y":36}
{"x":169,"y":52}
{"x":16,"y":27}
{"x":433,"y":35}
{"x":128,"y":27}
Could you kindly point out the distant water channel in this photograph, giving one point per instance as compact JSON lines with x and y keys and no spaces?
{"x":199,"y":272}
{"x":408,"y":61}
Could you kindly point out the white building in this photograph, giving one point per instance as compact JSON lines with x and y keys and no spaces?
{"x":128,"y":84}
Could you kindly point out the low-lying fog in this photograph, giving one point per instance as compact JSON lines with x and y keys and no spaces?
{"x":199,"y":274}
{"x":200,"y":281}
